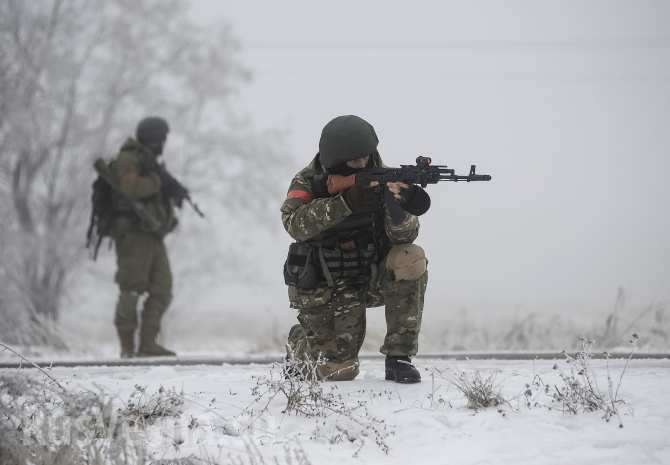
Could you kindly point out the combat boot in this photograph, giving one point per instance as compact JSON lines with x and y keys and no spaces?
{"x":401,"y":370}
{"x":127,"y":340}
{"x":148,"y":345}
{"x":154,"y":350}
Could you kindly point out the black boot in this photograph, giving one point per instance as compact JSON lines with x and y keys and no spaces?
{"x":401,"y":370}
{"x":127,"y":340}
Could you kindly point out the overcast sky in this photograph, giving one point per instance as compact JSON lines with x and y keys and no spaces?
{"x":565,"y":103}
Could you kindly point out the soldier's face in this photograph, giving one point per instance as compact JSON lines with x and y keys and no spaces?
{"x":359,"y":163}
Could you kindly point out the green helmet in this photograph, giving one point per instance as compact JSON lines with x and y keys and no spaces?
{"x":346,"y":138}
{"x":152,"y":130}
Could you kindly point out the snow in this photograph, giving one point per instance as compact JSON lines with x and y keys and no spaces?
{"x":429,"y":421}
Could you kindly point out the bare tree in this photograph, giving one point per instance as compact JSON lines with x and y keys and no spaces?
{"x":75,"y":76}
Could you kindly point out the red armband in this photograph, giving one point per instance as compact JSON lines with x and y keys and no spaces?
{"x":298,"y":194}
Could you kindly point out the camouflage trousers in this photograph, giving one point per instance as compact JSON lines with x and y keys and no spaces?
{"x":333,"y":320}
{"x":142,"y":267}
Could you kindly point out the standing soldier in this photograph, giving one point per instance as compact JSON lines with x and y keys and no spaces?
{"x":354,"y":250}
{"x":143,"y":266}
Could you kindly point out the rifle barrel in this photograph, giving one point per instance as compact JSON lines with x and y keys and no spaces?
{"x":195,"y":207}
{"x":466,"y":178}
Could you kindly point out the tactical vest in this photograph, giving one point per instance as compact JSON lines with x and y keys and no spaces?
{"x":121,"y":204}
{"x":348,"y":251}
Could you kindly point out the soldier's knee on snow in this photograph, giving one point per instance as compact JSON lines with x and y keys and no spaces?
{"x":338,"y":371}
{"x":407,"y":262}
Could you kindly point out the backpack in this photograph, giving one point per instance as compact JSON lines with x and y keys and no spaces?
{"x":102,"y":214}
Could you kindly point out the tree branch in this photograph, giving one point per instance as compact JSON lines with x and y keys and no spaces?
{"x":42,"y":370}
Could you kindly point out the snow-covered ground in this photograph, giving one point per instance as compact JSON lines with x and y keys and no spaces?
{"x":223,"y":416}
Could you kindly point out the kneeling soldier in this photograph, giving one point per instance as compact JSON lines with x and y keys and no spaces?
{"x":354,"y":250}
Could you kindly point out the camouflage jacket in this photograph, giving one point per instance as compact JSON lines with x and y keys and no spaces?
{"x":135,"y":170}
{"x":305,"y":215}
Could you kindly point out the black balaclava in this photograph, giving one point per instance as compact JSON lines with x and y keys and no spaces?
{"x":152,"y":132}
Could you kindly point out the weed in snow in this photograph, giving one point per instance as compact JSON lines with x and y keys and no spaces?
{"x":577,"y":390}
{"x":480,"y":391}
{"x":142,"y":408}
{"x":338,"y":417}
{"x":40,"y":424}
{"x":44,"y":423}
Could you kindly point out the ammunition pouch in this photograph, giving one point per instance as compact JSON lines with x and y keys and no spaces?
{"x":301,"y":268}
{"x":348,"y":251}
{"x":348,"y":260}
{"x":310,"y":265}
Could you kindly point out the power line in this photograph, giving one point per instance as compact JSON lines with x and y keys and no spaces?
{"x":475,"y":45}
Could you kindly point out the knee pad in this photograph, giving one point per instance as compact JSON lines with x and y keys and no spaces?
{"x":160,"y":300}
{"x":125,"y":316}
{"x":407,"y":262}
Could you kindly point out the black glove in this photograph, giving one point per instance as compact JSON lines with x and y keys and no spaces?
{"x":398,"y":214}
{"x":320,"y":185}
{"x":361,"y":199}
{"x":414,"y":200}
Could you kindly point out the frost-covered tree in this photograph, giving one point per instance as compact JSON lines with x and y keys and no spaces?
{"x":75,"y":77}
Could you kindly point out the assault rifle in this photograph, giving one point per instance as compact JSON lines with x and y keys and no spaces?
{"x":423,"y":173}
{"x":176,"y":190}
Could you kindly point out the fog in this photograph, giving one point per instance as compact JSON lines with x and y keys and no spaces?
{"x":565,"y":104}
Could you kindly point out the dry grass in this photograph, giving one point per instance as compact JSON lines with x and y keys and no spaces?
{"x":339,"y":417}
{"x":43,"y":421}
{"x":480,"y":391}
{"x":577,"y":389}
{"x":538,"y":331}
{"x":42,"y":424}
{"x":143,"y":408}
